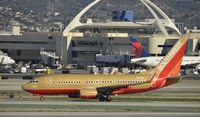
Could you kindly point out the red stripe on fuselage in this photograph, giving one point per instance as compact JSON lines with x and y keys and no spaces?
{"x":158,"y":84}
{"x":54,"y":91}
{"x":132,"y":90}
{"x":88,"y":96}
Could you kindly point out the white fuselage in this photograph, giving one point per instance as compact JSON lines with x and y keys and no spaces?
{"x":155,"y":60}
{"x":5,"y":60}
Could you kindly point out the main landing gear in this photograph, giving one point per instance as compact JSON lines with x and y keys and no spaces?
{"x":41,"y":98}
{"x":105,"y":98}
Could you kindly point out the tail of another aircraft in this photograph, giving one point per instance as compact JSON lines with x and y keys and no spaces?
{"x":171,"y":63}
{"x":138,"y":50}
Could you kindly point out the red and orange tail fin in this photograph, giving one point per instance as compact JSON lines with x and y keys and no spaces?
{"x":171,"y":63}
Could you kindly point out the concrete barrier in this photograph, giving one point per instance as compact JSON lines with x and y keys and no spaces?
{"x":20,"y":76}
{"x":4,"y":78}
{"x":27,"y":77}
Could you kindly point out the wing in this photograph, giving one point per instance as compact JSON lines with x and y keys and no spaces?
{"x":109,"y":89}
{"x":138,"y":60}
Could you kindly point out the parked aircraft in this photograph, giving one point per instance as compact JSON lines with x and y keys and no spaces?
{"x":138,"y":49}
{"x":143,"y":57}
{"x":5,"y":60}
{"x":103,"y":86}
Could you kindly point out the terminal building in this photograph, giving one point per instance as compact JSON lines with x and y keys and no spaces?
{"x":28,"y":46}
{"x":82,"y":41}
{"x":157,"y":35}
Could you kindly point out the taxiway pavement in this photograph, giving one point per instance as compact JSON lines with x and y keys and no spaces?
{"x":96,"y":114}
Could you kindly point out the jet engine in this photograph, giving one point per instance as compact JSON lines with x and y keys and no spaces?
{"x":88,"y":93}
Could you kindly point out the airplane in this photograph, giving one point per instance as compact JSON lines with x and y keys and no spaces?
{"x":6,"y":60}
{"x":142,"y":57}
{"x":102,"y":87}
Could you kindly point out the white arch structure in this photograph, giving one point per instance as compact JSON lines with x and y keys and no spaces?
{"x":150,"y":6}
{"x":76,"y":21}
{"x":161,"y":26}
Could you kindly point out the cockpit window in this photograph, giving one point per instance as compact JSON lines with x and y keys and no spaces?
{"x":34,"y":81}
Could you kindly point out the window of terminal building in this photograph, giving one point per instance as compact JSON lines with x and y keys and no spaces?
{"x":73,"y":43}
{"x":74,"y":54}
{"x":50,"y":37}
{"x":5,"y":51}
{"x":121,"y":44}
{"x":170,"y":32}
{"x":165,"y":46}
{"x":18,"y":52}
{"x":87,"y":43}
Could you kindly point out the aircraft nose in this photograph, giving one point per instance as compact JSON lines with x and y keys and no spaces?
{"x":25,"y":87}
{"x":13,"y":61}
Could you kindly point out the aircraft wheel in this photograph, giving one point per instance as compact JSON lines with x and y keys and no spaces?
{"x":41,"y":98}
{"x":105,"y":98}
{"x":101,"y":98}
{"x":108,"y":99}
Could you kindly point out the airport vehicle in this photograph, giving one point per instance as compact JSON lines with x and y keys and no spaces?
{"x":143,"y":57}
{"x":198,"y":67}
{"x":103,"y":86}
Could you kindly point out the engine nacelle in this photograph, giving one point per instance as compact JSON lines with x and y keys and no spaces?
{"x":88,"y":93}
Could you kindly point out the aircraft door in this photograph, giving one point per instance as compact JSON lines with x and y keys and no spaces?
{"x":48,"y":82}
